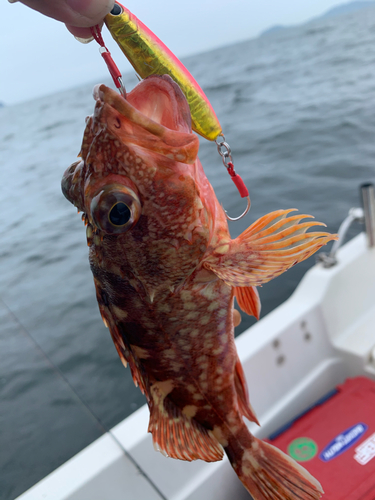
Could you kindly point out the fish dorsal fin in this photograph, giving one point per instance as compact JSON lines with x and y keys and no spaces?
{"x":269,"y":247}
{"x":248,"y":300}
{"x":177,"y":435}
{"x":242,"y":393}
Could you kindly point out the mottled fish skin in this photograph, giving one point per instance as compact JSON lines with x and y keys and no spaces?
{"x":165,"y":288}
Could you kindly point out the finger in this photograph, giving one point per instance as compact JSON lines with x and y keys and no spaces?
{"x":75,"y":13}
{"x":94,"y":11}
{"x":81,"y":33}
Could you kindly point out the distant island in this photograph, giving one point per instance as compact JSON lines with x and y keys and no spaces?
{"x":339,"y":10}
{"x":273,"y":29}
{"x":345,"y":8}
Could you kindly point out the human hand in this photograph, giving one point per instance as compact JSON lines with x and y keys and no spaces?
{"x":78,"y":15}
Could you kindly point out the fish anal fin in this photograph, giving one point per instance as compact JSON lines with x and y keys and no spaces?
{"x":269,"y":247}
{"x":177,"y":435}
{"x":248,"y":300}
{"x":244,"y":405}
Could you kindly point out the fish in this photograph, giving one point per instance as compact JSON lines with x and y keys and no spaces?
{"x":166,"y":272}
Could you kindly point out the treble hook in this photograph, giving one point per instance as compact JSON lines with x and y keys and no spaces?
{"x":240,"y":185}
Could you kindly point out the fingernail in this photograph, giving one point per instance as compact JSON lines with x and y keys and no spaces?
{"x":81,"y":40}
{"x":12,"y":1}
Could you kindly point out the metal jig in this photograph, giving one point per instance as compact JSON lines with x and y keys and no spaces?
{"x":150,"y":56}
{"x":225,"y":152}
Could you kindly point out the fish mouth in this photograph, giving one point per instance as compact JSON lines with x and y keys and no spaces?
{"x":155,"y":115}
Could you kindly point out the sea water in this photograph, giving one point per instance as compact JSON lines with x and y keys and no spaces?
{"x":298,"y":109}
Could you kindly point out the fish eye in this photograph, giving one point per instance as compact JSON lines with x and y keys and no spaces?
{"x":119,"y":214}
{"x":115,"y":209}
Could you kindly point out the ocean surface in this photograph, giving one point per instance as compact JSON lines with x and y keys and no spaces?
{"x":298,"y":109}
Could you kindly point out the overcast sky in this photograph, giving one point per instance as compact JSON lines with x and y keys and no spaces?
{"x":39,"y":56}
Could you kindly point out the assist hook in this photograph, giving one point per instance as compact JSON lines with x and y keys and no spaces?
{"x":111,"y":65}
{"x":225,"y":152}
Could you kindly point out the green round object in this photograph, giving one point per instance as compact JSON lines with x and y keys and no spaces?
{"x":302,"y":449}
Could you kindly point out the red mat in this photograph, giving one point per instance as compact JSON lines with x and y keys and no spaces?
{"x":335,"y":441}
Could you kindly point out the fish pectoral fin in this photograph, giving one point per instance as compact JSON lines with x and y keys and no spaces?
{"x":244,"y":405}
{"x":128,"y":357}
{"x":124,"y":351}
{"x":269,"y":247}
{"x":248,"y":300}
{"x":177,"y":435}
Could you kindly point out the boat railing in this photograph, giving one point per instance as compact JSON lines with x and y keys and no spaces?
{"x":365,"y":215}
{"x":368,"y":199}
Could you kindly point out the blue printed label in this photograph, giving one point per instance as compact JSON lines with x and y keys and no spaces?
{"x":343,"y":442}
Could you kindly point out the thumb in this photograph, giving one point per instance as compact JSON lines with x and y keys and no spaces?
{"x":86,"y":13}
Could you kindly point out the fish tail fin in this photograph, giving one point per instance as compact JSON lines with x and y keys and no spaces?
{"x":269,"y":474}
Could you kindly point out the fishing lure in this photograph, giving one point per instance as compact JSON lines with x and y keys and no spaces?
{"x":149,"y":56}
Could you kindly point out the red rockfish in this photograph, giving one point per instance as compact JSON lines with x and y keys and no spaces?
{"x":166,"y":272}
